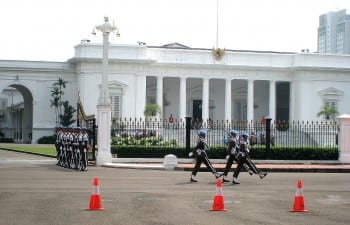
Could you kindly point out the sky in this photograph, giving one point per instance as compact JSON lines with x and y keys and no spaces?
{"x":48,"y":30}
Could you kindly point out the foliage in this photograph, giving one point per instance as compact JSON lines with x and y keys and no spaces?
{"x":68,"y":114}
{"x":152,"y":110}
{"x":57,"y":95}
{"x":143,"y":141}
{"x":47,"y":139}
{"x":327,"y":111}
{"x":135,"y":151}
{"x":6,"y":140}
{"x":219,"y":152}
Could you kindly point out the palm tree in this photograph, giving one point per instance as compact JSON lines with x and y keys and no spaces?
{"x":152,"y":110}
{"x":60,"y":84}
{"x":57,"y":94}
{"x":328,"y":111}
{"x":55,"y":102}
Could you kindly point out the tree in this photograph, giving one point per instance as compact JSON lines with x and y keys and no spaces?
{"x":56,"y":103}
{"x":67,"y":116}
{"x":152,"y":110}
{"x":57,"y":98}
{"x":327,"y":111}
{"x":61,"y":84}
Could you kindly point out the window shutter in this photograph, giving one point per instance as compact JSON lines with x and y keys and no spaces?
{"x":116,"y":106}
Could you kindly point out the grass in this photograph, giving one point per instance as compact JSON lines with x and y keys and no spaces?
{"x":37,"y":149}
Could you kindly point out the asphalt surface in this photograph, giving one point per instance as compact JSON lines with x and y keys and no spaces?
{"x":34,"y":191}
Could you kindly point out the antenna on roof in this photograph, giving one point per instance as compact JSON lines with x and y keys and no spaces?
{"x":217,"y":23}
{"x":217,"y":52}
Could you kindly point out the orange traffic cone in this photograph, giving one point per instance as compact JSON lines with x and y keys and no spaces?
{"x":299,"y":199}
{"x":218,"y":204}
{"x":95,"y":199}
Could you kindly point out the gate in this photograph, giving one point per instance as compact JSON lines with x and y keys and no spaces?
{"x":88,"y":121}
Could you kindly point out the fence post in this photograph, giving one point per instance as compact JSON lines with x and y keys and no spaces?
{"x":268,"y":137}
{"x":344,"y":141}
{"x":188,"y":132}
{"x":94,"y":140}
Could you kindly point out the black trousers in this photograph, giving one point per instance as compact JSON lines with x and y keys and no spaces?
{"x":241,"y":162}
{"x":199,"y":161}
{"x":229,"y":164}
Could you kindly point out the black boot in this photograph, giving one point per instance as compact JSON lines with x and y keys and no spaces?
{"x":193,"y":178}
{"x":224,"y":179}
{"x":235,"y":181}
{"x":262,"y":174}
{"x":218,"y":175}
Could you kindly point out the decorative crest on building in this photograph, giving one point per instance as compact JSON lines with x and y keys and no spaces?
{"x":218,"y":53}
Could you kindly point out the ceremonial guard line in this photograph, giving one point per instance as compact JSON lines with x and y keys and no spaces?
{"x":72,"y":147}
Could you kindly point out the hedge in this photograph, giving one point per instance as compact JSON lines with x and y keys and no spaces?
{"x":291,"y":153}
{"x":6,"y":140}
{"x":47,"y":139}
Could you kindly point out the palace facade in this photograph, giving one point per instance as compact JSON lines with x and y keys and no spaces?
{"x":183,"y":81}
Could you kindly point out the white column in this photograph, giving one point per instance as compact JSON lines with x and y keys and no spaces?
{"x":160,"y":92}
{"x":272,"y":100}
{"x":103,"y":135}
{"x":228,"y":99}
{"x":182,"y":101}
{"x":36,"y":121}
{"x":250,"y":101}
{"x":343,"y":138}
{"x":205,"y":100}
{"x":140,"y":93}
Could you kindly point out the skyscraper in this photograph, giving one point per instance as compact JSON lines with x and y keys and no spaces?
{"x":334,"y":33}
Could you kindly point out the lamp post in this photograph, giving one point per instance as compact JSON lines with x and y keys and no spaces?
{"x":104,"y":108}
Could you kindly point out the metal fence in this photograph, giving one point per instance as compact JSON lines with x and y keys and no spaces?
{"x":133,"y":131}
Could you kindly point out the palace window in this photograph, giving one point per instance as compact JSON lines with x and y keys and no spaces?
{"x":116,"y":106}
{"x":331,"y":97}
{"x":116,"y":92}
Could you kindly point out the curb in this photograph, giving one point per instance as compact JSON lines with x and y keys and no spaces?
{"x":32,"y":153}
{"x":305,"y":166}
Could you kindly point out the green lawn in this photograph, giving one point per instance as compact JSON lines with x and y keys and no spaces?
{"x":38,"y":149}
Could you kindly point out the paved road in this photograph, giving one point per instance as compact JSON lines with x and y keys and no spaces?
{"x":34,"y":191}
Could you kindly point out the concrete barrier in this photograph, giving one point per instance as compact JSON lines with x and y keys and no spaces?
{"x":170,"y":162}
{"x":344,"y":140}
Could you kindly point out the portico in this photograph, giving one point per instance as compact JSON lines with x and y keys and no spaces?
{"x":214,"y":98}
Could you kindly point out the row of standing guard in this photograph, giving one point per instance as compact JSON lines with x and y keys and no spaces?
{"x":72,"y":146}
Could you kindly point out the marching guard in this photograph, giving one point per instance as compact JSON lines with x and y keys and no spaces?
{"x":232,"y":150}
{"x":243,"y":158}
{"x":200,"y":154}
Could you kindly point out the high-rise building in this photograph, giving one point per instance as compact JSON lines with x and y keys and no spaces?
{"x":334,"y":33}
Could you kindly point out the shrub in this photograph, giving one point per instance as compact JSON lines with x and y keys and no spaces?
{"x":47,"y":139}
{"x":219,"y":152}
{"x":6,"y":140}
{"x":130,"y":151}
{"x":142,"y":141}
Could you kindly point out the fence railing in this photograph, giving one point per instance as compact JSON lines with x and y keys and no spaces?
{"x":158,"y":132}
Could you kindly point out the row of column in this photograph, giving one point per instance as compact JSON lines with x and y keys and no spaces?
{"x":228,"y":100}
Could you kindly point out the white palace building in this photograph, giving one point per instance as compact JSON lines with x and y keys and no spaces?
{"x":183,"y":81}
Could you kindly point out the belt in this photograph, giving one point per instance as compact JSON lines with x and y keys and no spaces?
{"x":200,"y":151}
